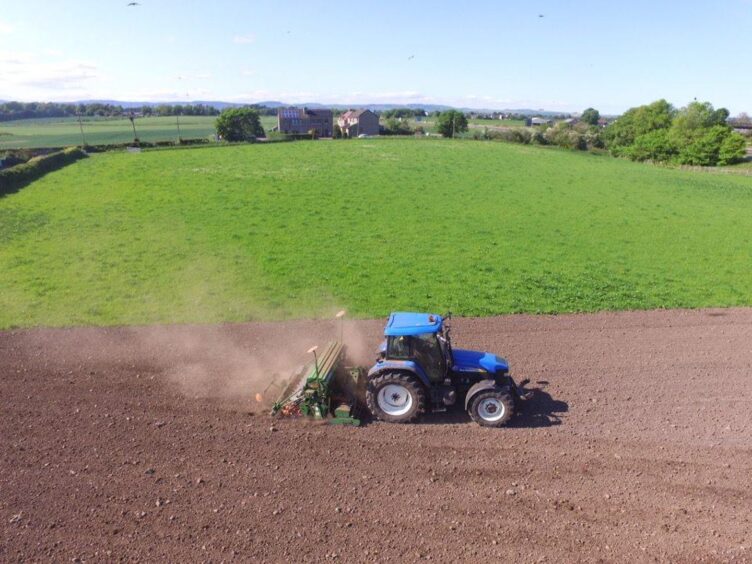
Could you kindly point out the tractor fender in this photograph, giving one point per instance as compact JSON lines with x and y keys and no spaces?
{"x":402,"y":366}
{"x":486,"y":384}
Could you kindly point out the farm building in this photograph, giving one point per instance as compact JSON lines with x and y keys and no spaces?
{"x":741,"y":125}
{"x":303,"y":120}
{"x":359,"y":122}
{"x":536,"y":121}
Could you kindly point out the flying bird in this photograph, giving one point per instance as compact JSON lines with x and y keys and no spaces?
{"x":132,"y":4}
{"x":541,"y":15}
{"x":411,"y":57}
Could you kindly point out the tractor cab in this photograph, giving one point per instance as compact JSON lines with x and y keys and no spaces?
{"x":418,"y":338}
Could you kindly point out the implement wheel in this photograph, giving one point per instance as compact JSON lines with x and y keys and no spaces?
{"x":395,"y":397}
{"x":491,"y":408}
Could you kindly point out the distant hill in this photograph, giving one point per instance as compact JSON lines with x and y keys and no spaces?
{"x":220,"y":105}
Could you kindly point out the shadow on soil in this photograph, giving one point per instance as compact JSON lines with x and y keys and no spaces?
{"x":541,"y":410}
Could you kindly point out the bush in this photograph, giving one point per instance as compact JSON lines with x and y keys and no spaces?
{"x":538,"y":138}
{"x":239,"y":124}
{"x":515,"y":135}
{"x":733,"y":149}
{"x":593,"y":138}
{"x":394,"y":126}
{"x":705,"y":149}
{"x":654,"y":146}
{"x":15,"y":178}
{"x":451,"y":123}
{"x":696,"y":135}
{"x":146,"y":144}
{"x":635,"y":122}
{"x":563,"y":135}
{"x":590,"y":116}
{"x":278,"y":137}
{"x":17,"y":157}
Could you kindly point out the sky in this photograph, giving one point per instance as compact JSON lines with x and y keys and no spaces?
{"x":500,"y":54}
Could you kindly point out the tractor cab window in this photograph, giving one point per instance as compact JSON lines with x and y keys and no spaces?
{"x":429,"y":354}
{"x":399,"y":347}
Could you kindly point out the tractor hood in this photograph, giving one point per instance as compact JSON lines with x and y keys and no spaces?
{"x":474,"y":361}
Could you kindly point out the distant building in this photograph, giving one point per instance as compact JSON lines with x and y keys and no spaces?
{"x":537,"y":121}
{"x":741,"y":125}
{"x":303,"y":120}
{"x":358,"y":122}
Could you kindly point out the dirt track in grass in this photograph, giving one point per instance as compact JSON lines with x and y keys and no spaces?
{"x":138,"y":443}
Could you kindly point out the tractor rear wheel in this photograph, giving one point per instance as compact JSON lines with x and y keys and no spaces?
{"x":491,"y":408}
{"x":395,"y":397}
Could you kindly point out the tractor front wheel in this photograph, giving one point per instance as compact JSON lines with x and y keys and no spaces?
{"x":491,"y":408}
{"x":395,"y":397}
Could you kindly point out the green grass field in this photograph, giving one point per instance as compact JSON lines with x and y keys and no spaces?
{"x":496,"y":122}
{"x":474,"y":124}
{"x":298,"y":229}
{"x":63,"y":132}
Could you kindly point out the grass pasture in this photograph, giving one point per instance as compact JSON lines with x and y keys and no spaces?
{"x":63,"y":132}
{"x":480,"y":122}
{"x":297,"y":229}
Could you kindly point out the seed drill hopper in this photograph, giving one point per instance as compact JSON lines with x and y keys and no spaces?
{"x":325,"y":389}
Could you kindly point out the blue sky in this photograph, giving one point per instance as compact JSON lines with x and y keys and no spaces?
{"x":485,"y":54}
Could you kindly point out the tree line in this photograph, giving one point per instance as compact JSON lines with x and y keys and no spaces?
{"x":27,"y":110}
{"x":697,"y":134}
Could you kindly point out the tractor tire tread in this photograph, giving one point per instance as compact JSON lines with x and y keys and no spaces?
{"x":503,"y":396}
{"x":408,"y":381}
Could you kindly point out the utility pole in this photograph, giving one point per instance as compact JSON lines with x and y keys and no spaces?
{"x":177,"y":121}
{"x":81,"y":127}
{"x":133,"y":124}
{"x":454,"y":119}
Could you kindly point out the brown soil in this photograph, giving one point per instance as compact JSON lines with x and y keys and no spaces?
{"x":140,"y":444}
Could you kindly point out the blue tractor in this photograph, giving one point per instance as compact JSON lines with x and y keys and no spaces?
{"x":418,"y":370}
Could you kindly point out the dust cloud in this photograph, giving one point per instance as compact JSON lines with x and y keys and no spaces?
{"x":230,"y":363}
{"x":211,"y":362}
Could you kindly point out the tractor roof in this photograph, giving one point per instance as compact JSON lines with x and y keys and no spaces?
{"x":404,"y":323}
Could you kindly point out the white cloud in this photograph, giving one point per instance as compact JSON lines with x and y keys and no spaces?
{"x":28,"y":75}
{"x":244,"y":39}
{"x":50,"y":75}
{"x":5,"y":27}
